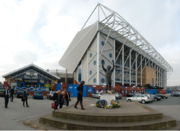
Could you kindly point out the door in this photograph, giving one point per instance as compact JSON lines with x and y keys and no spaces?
{"x":93,"y":91}
{"x":85,"y":91}
{"x":138,"y":98}
{"x":75,"y":91}
{"x":58,"y":87}
{"x":70,"y":89}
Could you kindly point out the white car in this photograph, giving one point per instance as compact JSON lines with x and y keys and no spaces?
{"x":97,"y":95}
{"x":143,"y":98}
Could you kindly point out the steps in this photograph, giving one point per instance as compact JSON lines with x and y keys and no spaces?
{"x":164,"y":123}
{"x":131,"y":116}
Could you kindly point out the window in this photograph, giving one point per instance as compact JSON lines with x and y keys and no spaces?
{"x":94,"y":62}
{"x":90,"y":72}
{"x":90,"y":55}
{"x":102,"y":80}
{"x":102,"y":43}
{"x":104,"y":62}
{"x":110,"y":55}
{"x":79,"y":72}
{"x":94,"y":80}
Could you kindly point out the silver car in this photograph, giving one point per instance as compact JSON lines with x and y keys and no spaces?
{"x":97,"y":95}
{"x":50,"y":95}
{"x":143,"y":98}
{"x":150,"y":96}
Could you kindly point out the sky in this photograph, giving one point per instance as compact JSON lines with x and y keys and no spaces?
{"x":39,"y":31}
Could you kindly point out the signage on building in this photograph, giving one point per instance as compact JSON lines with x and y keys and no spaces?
{"x":89,"y":89}
{"x":31,"y":74}
{"x":41,"y":81}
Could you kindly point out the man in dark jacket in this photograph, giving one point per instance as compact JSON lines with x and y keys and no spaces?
{"x":61,"y":99}
{"x":12,"y":94}
{"x":79,"y":95}
{"x":55,"y":98}
{"x":6,"y":96}
{"x":25,"y":97}
{"x":67,"y":98}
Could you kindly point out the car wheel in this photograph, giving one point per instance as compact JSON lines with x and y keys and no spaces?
{"x":129,"y":100}
{"x":143,"y":101}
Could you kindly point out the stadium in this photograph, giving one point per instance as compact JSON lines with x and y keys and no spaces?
{"x":109,"y":38}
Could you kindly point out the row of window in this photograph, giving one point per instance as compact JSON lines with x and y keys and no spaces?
{"x":102,"y":80}
{"x":124,"y":80}
{"x":110,"y":55}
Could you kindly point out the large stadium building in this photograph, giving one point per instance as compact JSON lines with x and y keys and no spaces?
{"x":112,"y":38}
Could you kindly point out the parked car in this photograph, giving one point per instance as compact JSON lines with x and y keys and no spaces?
{"x":150,"y":96}
{"x":20,"y":94}
{"x":156,"y":98}
{"x":50,"y":95}
{"x":175,"y":94}
{"x":2,"y":91}
{"x":162,"y":96}
{"x":130,"y":95}
{"x":118,"y":95}
{"x":97,"y":95}
{"x":140,"y":98}
{"x":38,"y":94}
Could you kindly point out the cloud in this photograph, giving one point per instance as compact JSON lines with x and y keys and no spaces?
{"x":40,"y":31}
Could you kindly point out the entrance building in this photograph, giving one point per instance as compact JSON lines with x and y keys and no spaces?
{"x":31,"y":77}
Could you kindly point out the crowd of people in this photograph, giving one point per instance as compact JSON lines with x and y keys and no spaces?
{"x":9,"y":93}
{"x":60,"y":98}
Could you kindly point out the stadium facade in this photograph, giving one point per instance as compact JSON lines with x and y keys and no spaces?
{"x":111,"y":37}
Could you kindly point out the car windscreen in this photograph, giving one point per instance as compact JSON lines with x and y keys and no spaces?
{"x":38,"y":92}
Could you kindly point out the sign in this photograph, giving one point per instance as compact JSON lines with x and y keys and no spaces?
{"x":41,"y":81}
{"x":13,"y":84}
{"x":89,"y":89}
{"x":31,"y":74}
{"x":28,"y":73}
{"x":108,"y":97}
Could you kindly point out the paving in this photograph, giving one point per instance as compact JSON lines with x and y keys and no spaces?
{"x":125,"y":107}
{"x":13,"y":117}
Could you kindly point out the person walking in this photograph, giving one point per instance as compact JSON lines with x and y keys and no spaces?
{"x":61,"y":99}
{"x":12,"y":94}
{"x":6,"y":96}
{"x":79,"y":95}
{"x":55,"y":98}
{"x":67,"y":98}
{"x":25,"y":97}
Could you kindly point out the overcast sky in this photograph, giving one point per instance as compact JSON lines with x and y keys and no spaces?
{"x":39,"y":31}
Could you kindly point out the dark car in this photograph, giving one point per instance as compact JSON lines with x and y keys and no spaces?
{"x":156,"y":97}
{"x":2,"y":91}
{"x":162,"y":96}
{"x":20,"y":94}
{"x":175,"y":94}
